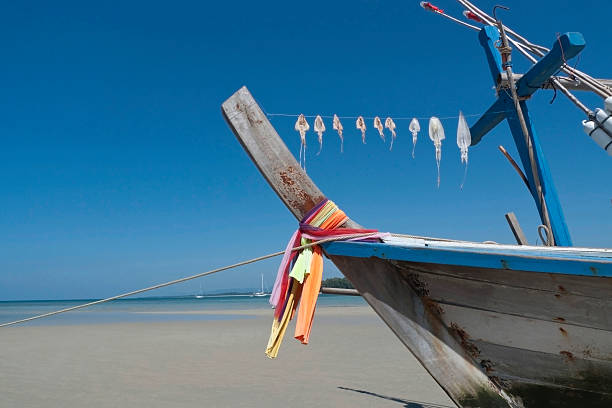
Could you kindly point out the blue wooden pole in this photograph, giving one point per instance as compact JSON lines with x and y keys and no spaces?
{"x":567,"y":46}
{"x":487,"y":122}
{"x":555,"y":212}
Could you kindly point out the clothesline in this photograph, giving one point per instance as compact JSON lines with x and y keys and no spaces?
{"x":295,"y":115}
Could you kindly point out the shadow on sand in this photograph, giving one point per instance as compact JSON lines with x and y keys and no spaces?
{"x":407,"y":403}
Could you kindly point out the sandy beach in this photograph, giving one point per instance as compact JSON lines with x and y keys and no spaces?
{"x":353,"y":360}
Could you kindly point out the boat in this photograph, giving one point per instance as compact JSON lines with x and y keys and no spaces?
{"x":496,"y":325}
{"x":200,"y":295}
{"x":261,"y":293}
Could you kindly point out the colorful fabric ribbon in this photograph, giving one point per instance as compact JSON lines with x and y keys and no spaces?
{"x":301,"y":283}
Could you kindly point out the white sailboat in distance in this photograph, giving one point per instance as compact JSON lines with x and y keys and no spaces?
{"x":201,"y":294}
{"x":260,"y":293}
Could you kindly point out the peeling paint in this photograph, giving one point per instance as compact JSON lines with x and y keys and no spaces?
{"x":433,"y":306}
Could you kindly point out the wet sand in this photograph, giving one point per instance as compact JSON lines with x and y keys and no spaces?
{"x":353,"y":360}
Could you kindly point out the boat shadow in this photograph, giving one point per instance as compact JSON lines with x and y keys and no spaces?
{"x":407,"y":403}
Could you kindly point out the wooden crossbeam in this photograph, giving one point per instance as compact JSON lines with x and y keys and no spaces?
{"x":565,"y":48}
{"x":567,"y":82}
{"x":491,"y":118}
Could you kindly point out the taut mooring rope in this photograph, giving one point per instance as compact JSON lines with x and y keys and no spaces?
{"x":199,"y":275}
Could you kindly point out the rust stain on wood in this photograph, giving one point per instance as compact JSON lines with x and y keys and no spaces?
{"x":464,"y":339}
{"x":296,"y":196}
{"x":563,"y":331}
{"x":569,"y":357}
{"x":433,"y":306}
{"x":422,"y":291}
{"x":562,"y":291}
{"x":487,"y":365}
{"x":253,"y":121}
{"x":285,"y":178}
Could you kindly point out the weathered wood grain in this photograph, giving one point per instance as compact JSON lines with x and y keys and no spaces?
{"x":555,"y":370}
{"x":517,"y":231}
{"x":417,"y":324}
{"x":550,"y":306}
{"x":340,"y":291}
{"x":271,"y":156}
{"x":540,"y":363}
{"x":529,"y":334}
{"x":269,"y":153}
{"x":548,"y":396}
{"x":553,"y":284}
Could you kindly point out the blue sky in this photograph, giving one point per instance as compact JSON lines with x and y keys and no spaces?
{"x":117,"y":170}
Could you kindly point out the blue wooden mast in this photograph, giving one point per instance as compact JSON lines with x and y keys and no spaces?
{"x":568,"y":46}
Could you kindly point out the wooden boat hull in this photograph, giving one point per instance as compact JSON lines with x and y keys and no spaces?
{"x":495,"y":326}
{"x":535,"y":335}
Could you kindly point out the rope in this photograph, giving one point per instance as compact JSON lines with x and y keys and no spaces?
{"x":545,"y":235}
{"x":292,"y":115}
{"x":298,"y":280}
{"x":507,"y":58}
{"x":174,"y":282}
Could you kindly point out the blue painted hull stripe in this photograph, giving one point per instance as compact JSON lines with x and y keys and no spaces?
{"x":543,"y":253}
{"x":559,"y":263}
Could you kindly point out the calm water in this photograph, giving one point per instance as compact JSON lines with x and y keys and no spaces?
{"x":150,"y":309}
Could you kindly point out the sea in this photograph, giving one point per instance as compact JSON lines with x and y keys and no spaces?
{"x":150,"y":309}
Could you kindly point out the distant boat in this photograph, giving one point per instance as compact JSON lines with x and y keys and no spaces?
{"x":201,"y":294}
{"x":261,"y":293}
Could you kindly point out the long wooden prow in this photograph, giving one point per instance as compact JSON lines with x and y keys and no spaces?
{"x":271,"y":156}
